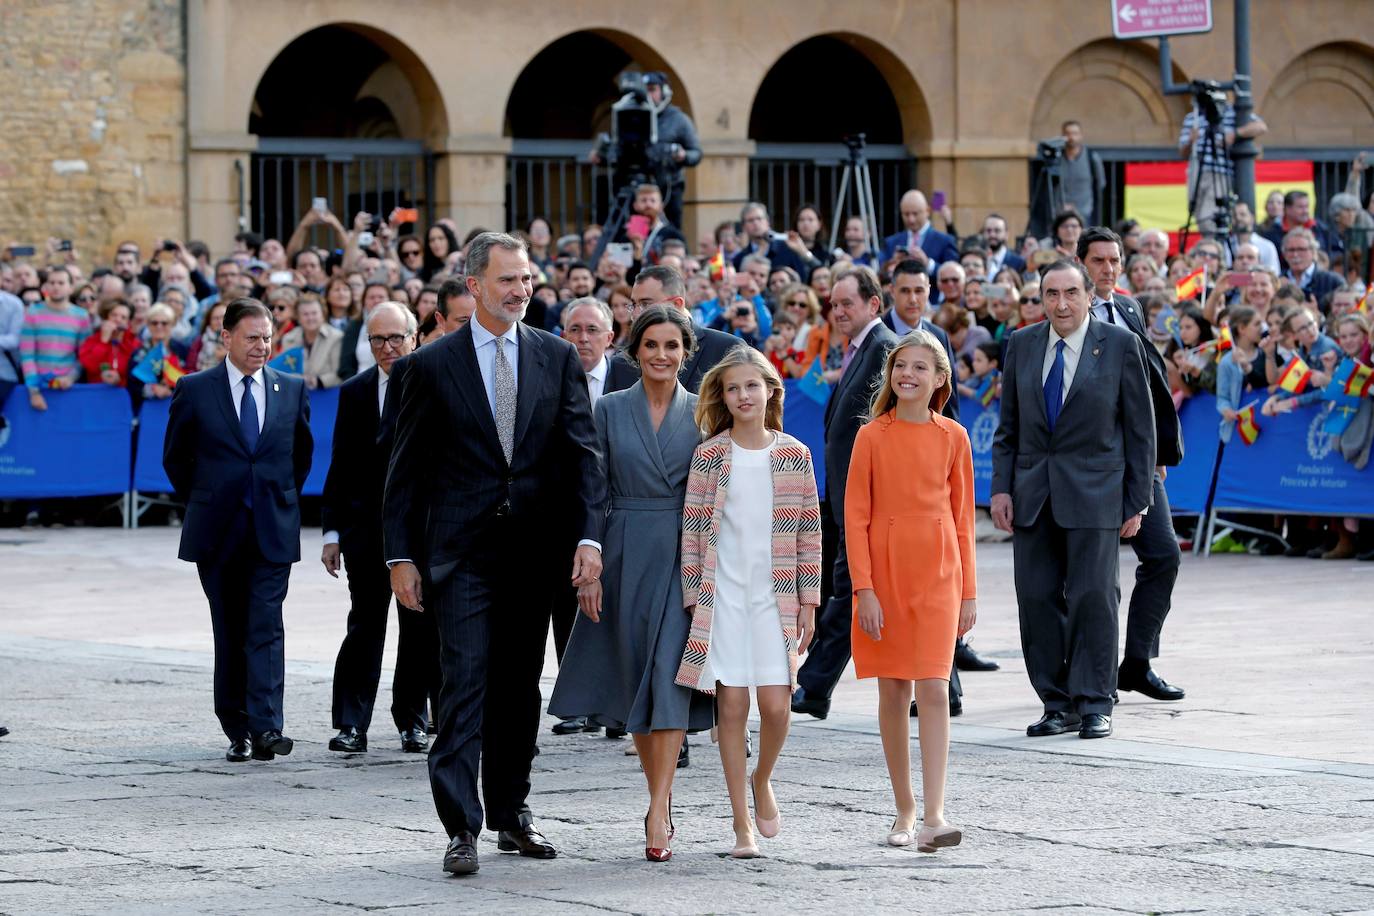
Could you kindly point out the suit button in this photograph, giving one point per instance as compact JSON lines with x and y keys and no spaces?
{"x":510,"y":481}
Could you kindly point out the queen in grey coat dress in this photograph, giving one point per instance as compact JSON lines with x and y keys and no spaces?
{"x":620,"y":672}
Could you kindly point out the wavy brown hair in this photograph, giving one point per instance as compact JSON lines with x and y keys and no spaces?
{"x":712,"y":416}
{"x":884,"y":399}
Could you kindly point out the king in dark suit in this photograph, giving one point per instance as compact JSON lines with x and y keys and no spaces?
{"x":1156,"y":546}
{"x":1072,"y":464}
{"x":237,"y":452}
{"x":351,"y":515}
{"x":855,"y":301}
{"x":502,"y":410}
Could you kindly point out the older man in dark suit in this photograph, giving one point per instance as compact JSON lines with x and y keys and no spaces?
{"x":502,"y":410}
{"x":856,"y":298}
{"x":351,"y":516}
{"x":1156,"y":547}
{"x":237,"y":452}
{"x":1073,"y":461}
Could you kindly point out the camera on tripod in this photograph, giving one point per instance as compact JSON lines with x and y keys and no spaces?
{"x":632,"y":148}
{"x":1051,"y":150}
{"x":1211,"y":101}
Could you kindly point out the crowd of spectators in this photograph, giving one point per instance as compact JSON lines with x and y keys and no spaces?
{"x":1289,"y":286}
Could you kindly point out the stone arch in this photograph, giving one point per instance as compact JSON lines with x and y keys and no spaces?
{"x":581,"y":107}
{"x":1324,"y":97}
{"x":381,"y":88}
{"x":897,"y":112}
{"x":1115,"y":86}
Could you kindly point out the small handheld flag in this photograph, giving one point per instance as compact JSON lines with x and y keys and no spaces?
{"x":1190,"y":287}
{"x":1343,"y":410}
{"x":813,"y":384}
{"x":292,"y":361}
{"x":1246,"y":426}
{"x":1295,"y":376}
{"x":987,"y":391}
{"x":1360,"y":381}
{"x":149,"y":369}
{"x":171,"y":374}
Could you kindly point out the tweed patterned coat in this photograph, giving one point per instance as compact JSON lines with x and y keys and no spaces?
{"x":796,"y":544}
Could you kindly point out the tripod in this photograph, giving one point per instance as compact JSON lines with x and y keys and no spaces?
{"x":1047,"y":197}
{"x":1222,"y":192}
{"x":856,"y":169}
{"x":615,"y":219}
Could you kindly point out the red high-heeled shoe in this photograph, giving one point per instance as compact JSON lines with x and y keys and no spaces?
{"x":655,"y":853}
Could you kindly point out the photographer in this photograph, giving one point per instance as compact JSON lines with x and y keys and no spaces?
{"x":1209,"y":163}
{"x":677,"y":146}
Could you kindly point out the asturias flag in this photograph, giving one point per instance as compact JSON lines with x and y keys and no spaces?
{"x":292,"y":361}
{"x":813,"y":383}
{"x":149,"y":369}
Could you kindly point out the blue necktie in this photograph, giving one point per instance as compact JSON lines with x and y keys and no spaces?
{"x":248,"y":425}
{"x":1054,"y":386}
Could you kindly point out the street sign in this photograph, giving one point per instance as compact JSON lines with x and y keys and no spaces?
{"x":1153,"y":18}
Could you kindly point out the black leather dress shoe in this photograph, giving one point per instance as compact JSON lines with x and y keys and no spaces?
{"x":684,"y":756}
{"x":3,"y":731}
{"x":1131,"y":677}
{"x":965,"y":659}
{"x":1053,"y":723}
{"x":528,"y":841}
{"x":806,"y":706}
{"x":349,"y":741}
{"x":271,"y":744}
{"x":461,"y":856}
{"x":1095,"y":725}
{"x":414,"y":741}
{"x":573,"y":725}
{"x":615,"y":732}
{"x":239,"y":750}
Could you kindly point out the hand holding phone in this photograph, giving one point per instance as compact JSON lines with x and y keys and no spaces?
{"x":1238,"y":278}
{"x":637,"y":227}
{"x":320,"y":205}
{"x":937,"y":200}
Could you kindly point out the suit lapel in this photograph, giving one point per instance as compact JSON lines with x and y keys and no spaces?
{"x":644,"y":425}
{"x":1032,"y":385}
{"x":225,"y":401}
{"x":271,"y":385}
{"x":374,"y":411}
{"x":690,"y":368}
{"x":1130,"y":315}
{"x":1088,"y":361}
{"x":467,"y":382}
{"x":533,"y":360}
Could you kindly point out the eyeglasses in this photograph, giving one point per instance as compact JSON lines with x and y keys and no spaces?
{"x":85,"y":298}
{"x":950,"y":280}
{"x":281,"y":308}
{"x":160,"y":323}
{"x":411,"y":253}
{"x":394,"y":341}
{"x":1033,"y":300}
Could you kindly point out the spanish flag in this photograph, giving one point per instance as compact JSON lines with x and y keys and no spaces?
{"x":1224,"y":342}
{"x":717,"y":266}
{"x":1363,"y":305}
{"x":1295,"y":376}
{"x":171,"y":374}
{"x":1246,"y":426}
{"x":1190,"y":287}
{"x":1360,"y":381}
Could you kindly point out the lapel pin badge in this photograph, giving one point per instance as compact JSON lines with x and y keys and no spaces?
{"x":275,"y":387}
{"x":1096,"y":350}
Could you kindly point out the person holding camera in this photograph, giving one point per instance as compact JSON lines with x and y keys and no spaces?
{"x":764,"y":241}
{"x":1209,"y":159}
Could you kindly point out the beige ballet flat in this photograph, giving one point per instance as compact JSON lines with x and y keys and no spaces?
{"x":932,"y":838}
{"x":903,"y":837}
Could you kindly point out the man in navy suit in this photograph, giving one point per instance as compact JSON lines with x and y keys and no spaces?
{"x":237,"y":452}
{"x":921,"y":241}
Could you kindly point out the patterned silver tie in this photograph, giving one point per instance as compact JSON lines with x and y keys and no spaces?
{"x":504,"y":381}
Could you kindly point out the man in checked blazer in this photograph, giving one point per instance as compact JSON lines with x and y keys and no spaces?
{"x":856,"y":298}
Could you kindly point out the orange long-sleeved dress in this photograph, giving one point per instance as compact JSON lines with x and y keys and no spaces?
{"x":909,"y":519}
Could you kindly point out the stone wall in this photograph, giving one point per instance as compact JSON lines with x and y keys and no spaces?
{"x":92,"y":123}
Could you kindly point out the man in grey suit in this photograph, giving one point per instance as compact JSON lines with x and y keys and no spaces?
{"x":856,"y":298}
{"x":1072,"y":467}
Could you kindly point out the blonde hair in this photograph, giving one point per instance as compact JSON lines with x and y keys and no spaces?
{"x":884,"y":399}
{"x":712,"y":416}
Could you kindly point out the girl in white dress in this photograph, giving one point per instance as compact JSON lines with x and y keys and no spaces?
{"x":753,"y":589}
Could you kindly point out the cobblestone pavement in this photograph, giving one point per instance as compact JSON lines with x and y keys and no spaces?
{"x":1255,"y":795}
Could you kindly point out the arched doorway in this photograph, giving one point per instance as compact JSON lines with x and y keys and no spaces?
{"x":1112,"y":88}
{"x":798,"y":132}
{"x":357,"y":133}
{"x":558,"y":106}
{"x":1321,"y":107}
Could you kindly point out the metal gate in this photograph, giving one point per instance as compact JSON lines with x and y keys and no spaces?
{"x":784,"y":176}
{"x":352,"y":175}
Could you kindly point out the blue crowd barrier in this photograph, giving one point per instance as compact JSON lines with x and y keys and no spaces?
{"x":1189,"y":484}
{"x":805,"y":419}
{"x":149,"y":477}
{"x":1292,"y":468}
{"x":981,"y":423}
{"x":79,"y":446}
{"x":324,"y":409}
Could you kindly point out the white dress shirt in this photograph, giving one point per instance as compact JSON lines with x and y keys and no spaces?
{"x":236,"y":391}
{"x":596,"y":379}
{"x":1103,"y":309}
{"x":1073,"y":349}
{"x":860,"y":337}
{"x":900,"y":327}
{"x":484,"y":342}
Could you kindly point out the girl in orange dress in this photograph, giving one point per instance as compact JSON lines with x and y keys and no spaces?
{"x":909,"y":527}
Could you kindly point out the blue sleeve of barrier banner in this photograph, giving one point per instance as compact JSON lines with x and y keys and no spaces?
{"x":79,"y":446}
{"x":981,"y":424}
{"x":803,"y":418}
{"x":324,"y":407}
{"x":1189,"y":484}
{"x":149,"y":476}
{"x":1293,"y":467}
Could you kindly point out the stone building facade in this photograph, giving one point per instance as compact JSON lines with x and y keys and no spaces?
{"x":137,"y":118}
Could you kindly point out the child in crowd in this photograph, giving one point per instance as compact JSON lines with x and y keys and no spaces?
{"x":780,"y":349}
{"x":908,"y":615}
{"x":984,"y":381}
{"x":751,"y":558}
